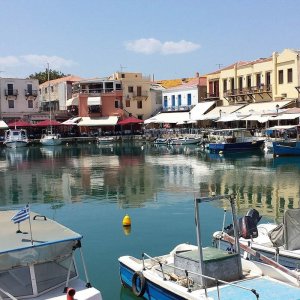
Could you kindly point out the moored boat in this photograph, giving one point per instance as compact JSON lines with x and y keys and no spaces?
{"x":15,"y":138}
{"x":161,"y":141}
{"x":51,"y":139}
{"x":185,"y":141}
{"x":37,"y":259}
{"x":105,"y":139}
{"x":193,"y":272}
{"x":286,"y":148}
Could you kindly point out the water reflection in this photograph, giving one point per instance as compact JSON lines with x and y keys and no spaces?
{"x":143,"y":174}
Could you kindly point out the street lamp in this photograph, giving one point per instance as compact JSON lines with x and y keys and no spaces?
{"x":220,"y":111}
{"x":277,"y":108}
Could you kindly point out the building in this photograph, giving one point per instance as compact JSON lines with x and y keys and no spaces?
{"x":265,"y":79}
{"x":19,"y":99}
{"x":55,"y":93}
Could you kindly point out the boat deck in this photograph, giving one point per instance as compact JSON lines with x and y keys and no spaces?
{"x":265,"y":287}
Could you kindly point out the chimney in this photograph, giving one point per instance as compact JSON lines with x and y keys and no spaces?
{"x":197,"y":74}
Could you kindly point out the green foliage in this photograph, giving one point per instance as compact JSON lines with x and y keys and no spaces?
{"x":43,"y":76}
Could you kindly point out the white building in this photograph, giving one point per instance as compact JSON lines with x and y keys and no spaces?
{"x":19,"y":98}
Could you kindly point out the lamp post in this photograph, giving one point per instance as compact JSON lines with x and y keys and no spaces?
{"x":277,"y":108}
{"x":220,"y":111}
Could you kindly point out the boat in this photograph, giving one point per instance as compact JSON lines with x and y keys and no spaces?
{"x":185,"y":141}
{"x":37,"y":259}
{"x":15,"y":138}
{"x":278,"y":242}
{"x":195,"y":272}
{"x":49,"y":138}
{"x":105,"y":139}
{"x":286,"y":148}
{"x":161,"y":141}
{"x":238,"y":139}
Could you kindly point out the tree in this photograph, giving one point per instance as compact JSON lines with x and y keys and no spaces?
{"x":43,"y":76}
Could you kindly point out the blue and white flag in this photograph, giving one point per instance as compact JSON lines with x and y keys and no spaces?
{"x":22,"y":215}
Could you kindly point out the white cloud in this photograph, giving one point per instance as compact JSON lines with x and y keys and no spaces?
{"x":151,"y":45}
{"x":9,"y":61}
{"x":55,"y":62}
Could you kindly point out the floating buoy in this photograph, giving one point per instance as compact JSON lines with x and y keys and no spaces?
{"x":126,"y":221}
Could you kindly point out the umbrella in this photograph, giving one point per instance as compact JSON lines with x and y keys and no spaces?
{"x":130,"y":120}
{"x":46,"y":123}
{"x":19,"y":123}
{"x":3,"y":125}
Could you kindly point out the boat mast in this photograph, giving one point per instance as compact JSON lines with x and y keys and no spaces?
{"x":50,"y":115}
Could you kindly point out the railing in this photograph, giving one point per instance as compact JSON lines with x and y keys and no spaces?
{"x":11,"y":92}
{"x":250,"y":90}
{"x":178,"y":108}
{"x":212,"y":95}
{"x":33,"y":93}
{"x":186,"y":272}
{"x":96,"y":91}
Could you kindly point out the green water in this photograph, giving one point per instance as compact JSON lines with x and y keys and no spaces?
{"x":90,"y":188}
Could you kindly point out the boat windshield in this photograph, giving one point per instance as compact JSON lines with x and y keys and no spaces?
{"x":18,"y":281}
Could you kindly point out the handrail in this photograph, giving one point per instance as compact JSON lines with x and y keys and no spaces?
{"x":7,"y":294}
{"x":198,"y":274}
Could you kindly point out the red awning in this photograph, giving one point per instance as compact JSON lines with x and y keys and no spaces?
{"x":46,"y":123}
{"x":130,"y":120}
{"x":19,"y":123}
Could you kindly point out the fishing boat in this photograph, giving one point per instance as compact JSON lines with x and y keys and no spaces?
{"x":238,"y":139}
{"x":193,"y":272}
{"x":15,"y":138}
{"x":49,"y":138}
{"x":286,"y":148}
{"x":37,"y":259}
{"x":280,"y":242}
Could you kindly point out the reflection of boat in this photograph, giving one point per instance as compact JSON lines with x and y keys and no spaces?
{"x":52,"y":151}
{"x":184,"y":141}
{"x":238,"y":139}
{"x":39,"y":261}
{"x":279,"y":242}
{"x":15,"y":138}
{"x":17,"y":155}
{"x":105,"y":139}
{"x":193,"y":272}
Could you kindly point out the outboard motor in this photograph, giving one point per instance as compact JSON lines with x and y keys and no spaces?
{"x":254,"y":214}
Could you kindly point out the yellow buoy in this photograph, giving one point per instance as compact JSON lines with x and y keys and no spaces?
{"x":126,"y":221}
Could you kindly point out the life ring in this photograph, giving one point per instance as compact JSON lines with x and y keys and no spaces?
{"x":138,"y":284}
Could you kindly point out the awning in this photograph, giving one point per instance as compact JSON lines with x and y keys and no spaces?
{"x":3,"y":125}
{"x":72,"y":101}
{"x":104,"y":121}
{"x":263,"y":107}
{"x":94,"y":101}
{"x":220,"y":110}
{"x":19,"y":123}
{"x":72,"y":121}
{"x":200,"y":109}
{"x":286,"y":117}
{"x":130,"y":120}
{"x":46,"y":123}
{"x":231,"y":117}
{"x":259,"y":118}
{"x":170,"y":117}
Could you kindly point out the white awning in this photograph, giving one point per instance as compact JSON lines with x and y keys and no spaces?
{"x":200,"y":109}
{"x":3,"y":125}
{"x":94,"y":101}
{"x":286,"y":117}
{"x":259,"y":118}
{"x":263,"y":107}
{"x":72,"y":121}
{"x":220,"y":110}
{"x":231,"y":117}
{"x":72,"y":101}
{"x":104,"y":121}
{"x":170,"y":117}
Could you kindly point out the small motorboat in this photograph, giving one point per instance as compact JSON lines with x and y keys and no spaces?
{"x":161,"y":141}
{"x":15,"y":138}
{"x":105,"y":139}
{"x":185,"y":141}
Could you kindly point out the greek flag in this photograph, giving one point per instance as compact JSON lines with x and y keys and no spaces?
{"x":22,"y":215}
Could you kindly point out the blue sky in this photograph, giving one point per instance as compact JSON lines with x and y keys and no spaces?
{"x":162,"y":38}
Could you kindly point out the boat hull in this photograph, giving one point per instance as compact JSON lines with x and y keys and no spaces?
{"x":243,"y":146}
{"x":52,"y":140}
{"x":16,"y":144}
{"x":285,"y":149}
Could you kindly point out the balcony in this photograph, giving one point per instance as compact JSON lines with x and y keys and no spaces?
{"x":11,"y":92}
{"x":98,"y":92}
{"x":31,"y":93}
{"x":212,"y":96}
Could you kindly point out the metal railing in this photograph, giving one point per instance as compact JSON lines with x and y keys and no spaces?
{"x":11,"y":92}
{"x":186,"y":272}
{"x":249,"y":90}
{"x":31,"y":93}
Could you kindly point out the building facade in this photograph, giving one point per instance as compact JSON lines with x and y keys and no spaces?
{"x":265,"y":79}
{"x":19,"y":99}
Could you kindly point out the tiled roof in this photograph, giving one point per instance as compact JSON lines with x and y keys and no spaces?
{"x":72,"y":78}
{"x":170,"y":83}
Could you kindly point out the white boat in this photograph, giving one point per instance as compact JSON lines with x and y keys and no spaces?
{"x":50,"y":138}
{"x":193,"y":272}
{"x":161,"y":141}
{"x":38,"y":261}
{"x":15,"y":138}
{"x":185,"y":141}
{"x":278,"y":242}
{"x":105,"y":139}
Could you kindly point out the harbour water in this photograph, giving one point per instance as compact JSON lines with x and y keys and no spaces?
{"x":90,"y":187}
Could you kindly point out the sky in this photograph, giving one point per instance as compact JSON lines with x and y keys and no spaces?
{"x":164,"y":39}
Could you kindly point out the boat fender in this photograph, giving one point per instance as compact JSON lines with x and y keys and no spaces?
{"x":70,"y":293}
{"x":138,"y":284}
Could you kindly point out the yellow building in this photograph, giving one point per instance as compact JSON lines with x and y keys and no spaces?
{"x":265,"y":79}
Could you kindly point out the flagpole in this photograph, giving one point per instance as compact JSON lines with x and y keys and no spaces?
{"x":30,"y":225}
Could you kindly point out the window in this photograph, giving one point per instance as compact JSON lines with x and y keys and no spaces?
{"x":127,"y":103}
{"x":52,"y":89}
{"x":46,"y":90}
{"x":268,"y":79}
{"x":139,"y":104}
{"x":179,"y":100}
{"x":240,"y":83}
{"x":189,"y":99}
{"x":225,"y":85}
{"x":280,"y":76}
{"x":290,"y":75}
{"x":122,"y":75}
{"x":249,"y":81}
{"x":11,"y":104}
{"x":40,"y":91}
{"x":116,"y":104}
{"x":130,"y":89}
{"x":10,"y":89}
{"x":173,"y":100}
{"x":232,"y":85}
{"x":139,"y":91}
{"x":165,"y":101}
{"x":29,"y":88}
{"x":30,"y":103}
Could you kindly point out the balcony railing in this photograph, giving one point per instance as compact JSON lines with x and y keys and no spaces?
{"x":247,"y":91}
{"x":33,"y":93}
{"x":11,"y":92}
{"x":177,"y":108}
{"x":212,"y":95}
{"x":95,"y":91}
